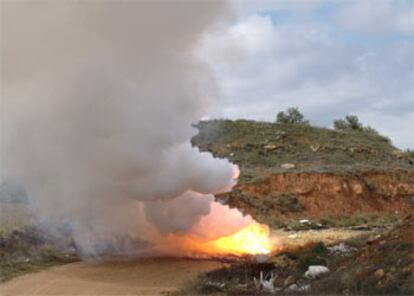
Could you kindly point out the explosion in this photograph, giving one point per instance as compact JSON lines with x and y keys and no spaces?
{"x":100,"y":104}
{"x":223,"y":232}
{"x":253,"y":239}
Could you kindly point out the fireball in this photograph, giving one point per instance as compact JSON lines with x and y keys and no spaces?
{"x":253,"y":239}
{"x":223,"y":232}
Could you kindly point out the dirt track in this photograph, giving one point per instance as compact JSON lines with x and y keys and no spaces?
{"x":149,"y":277}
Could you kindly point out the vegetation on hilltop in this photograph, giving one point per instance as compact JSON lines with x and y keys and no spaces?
{"x":259,"y":147}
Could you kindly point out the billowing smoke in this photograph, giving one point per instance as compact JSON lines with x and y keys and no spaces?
{"x":98,"y":103}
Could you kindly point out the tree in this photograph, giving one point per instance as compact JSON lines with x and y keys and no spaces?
{"x":351,"y":122}
{"x":291,"y":116}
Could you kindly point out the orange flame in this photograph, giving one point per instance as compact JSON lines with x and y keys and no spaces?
{"x":253,"y":239}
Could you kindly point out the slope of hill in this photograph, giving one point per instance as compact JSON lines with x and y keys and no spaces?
{"x":266,"y":146}
{"x":296,"y":171}
{"x":327,"y":178}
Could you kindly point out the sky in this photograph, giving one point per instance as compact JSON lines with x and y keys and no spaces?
{"x":328,"y":58}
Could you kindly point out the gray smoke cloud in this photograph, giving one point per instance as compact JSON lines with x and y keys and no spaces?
{"x":97,"y":105}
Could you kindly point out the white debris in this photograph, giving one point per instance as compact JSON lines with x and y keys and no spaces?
{"x":266,"y":285}
{"x":215,"y":285}
{"x":298,"y":288}
{"x":316,"y":270}
{"x":287,"y":166}
{"x":293,"y":236}
{"x":304,"y":221}
{"x":270,"y":147}
{"x":341,"y":250}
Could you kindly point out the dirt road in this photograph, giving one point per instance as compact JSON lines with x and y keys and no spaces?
{"x":148,"y":277}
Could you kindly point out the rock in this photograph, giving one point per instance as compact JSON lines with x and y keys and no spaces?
{"x":357,"y":188}
{"x":270,"y":147}
{"x":289,"y":281}
{"x":341,"y":250}
{"x":287,"y":166}
{"x":315,"y":271}
{"x":379,"y":273}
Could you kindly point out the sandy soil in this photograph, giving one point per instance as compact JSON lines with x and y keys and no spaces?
{"x":148,"y":277}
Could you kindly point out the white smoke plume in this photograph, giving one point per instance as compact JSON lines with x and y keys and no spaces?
{"x":98,"y":101}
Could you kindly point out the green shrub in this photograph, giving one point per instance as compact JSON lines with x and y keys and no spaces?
{"x":291,"y":116}
{"x":351,"y":122}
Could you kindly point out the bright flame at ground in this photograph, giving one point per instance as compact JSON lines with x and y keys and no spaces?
{"x":223,"y":232}
{"x":253,"y":239}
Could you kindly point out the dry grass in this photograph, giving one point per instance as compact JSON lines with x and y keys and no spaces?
{"x":311,"y":149}
{"x":14,"y":216}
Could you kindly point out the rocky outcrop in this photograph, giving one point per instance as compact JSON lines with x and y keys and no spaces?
{"x":313,"y":195}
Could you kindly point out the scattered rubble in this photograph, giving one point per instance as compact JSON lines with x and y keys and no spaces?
{"x":342,"y":250}
{"x":266,"y":285}
{"x":298,"y":288}
{"x":314,"y":271}
{"x":211,"y":286}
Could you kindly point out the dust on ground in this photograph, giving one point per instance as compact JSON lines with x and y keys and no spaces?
{"x":148,"y":277}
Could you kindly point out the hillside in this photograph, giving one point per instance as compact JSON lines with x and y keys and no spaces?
{"x":297,"y":171}
{"x":266,"y":146}
{"x":307,"y":181}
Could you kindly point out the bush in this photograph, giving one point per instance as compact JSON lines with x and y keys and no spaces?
{"x":291,"y":116}
{"x":351,"y":122}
